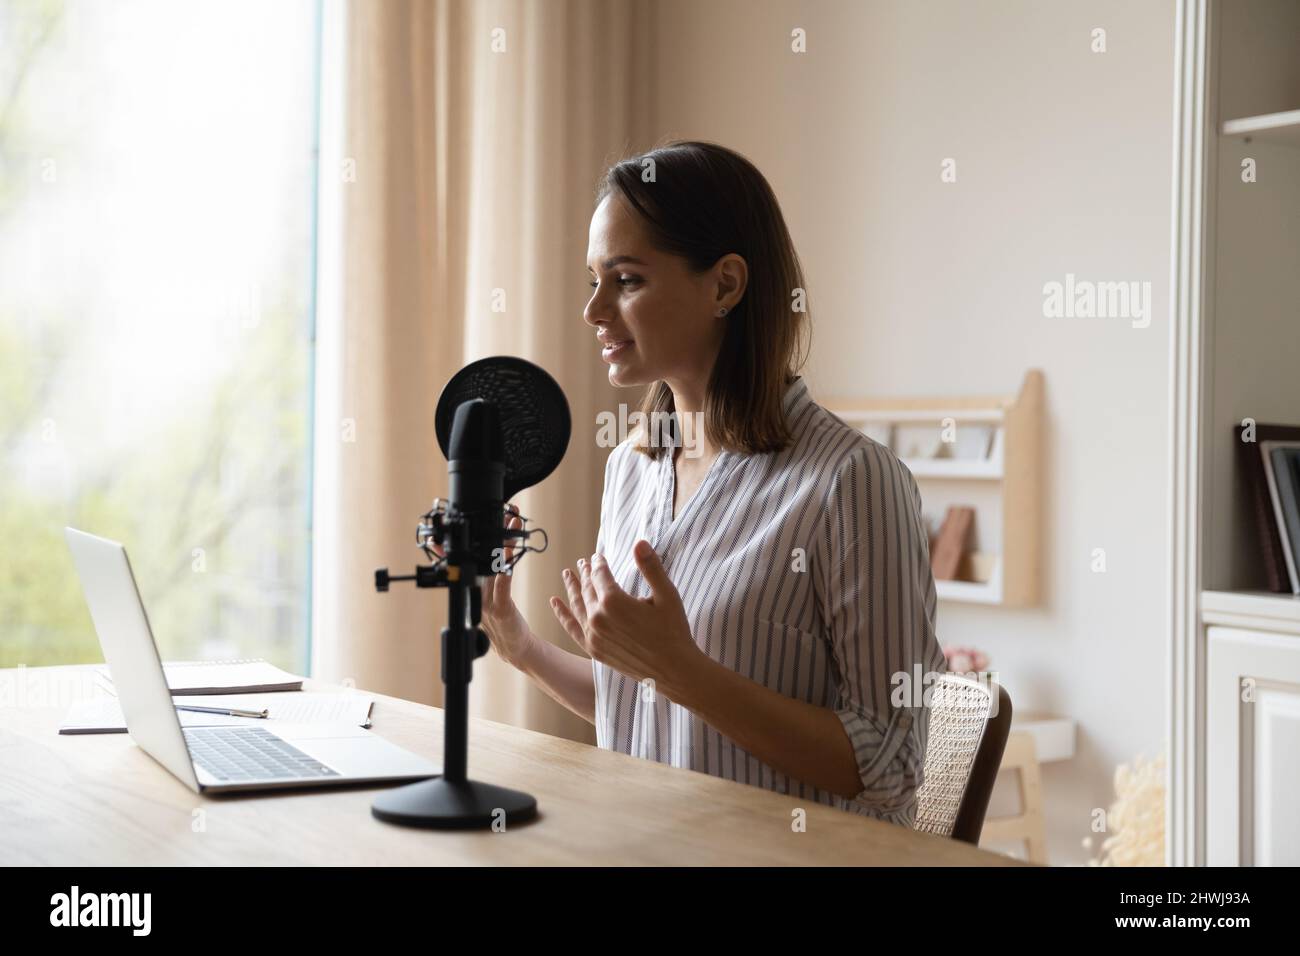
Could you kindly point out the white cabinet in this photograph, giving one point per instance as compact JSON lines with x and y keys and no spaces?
{"x":1232,"y":341}
{"x":1252,"y":724}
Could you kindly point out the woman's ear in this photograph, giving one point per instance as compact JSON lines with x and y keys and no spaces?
{"x":732,"y":274}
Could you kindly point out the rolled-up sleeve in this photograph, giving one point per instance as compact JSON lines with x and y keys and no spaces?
{"x":877,"y":598}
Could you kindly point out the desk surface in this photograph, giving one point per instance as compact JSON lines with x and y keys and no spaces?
{"x":100,"y":800}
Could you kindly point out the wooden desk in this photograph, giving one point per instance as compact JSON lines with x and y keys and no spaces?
{"x":101,"y":800}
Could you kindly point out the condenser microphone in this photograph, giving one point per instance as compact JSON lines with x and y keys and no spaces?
{"x":476,"y":472}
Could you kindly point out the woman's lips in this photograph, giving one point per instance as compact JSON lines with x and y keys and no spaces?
{"x":615,"y":349}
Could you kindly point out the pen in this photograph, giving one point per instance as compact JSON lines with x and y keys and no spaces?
{"x":225,"y":711}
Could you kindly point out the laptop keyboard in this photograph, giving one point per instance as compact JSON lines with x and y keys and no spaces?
{"x":249,"y":755}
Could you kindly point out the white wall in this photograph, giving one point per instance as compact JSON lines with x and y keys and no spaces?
{"x":923,"y":288}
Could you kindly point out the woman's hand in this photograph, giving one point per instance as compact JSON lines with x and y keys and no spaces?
{"x":647,"y":639}
{"x":508,"y":632}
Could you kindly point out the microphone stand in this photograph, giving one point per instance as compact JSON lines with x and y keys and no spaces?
{"x":453,"y":801}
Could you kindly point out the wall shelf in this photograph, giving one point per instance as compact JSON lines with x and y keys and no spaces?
{"x":952,"y":468}
{"x":972,"y":592}
{"x":1004,"y":485}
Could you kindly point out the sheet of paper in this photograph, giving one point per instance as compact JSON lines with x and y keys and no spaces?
{"x":104,"y":715}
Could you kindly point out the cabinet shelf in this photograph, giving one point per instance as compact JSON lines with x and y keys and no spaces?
{"x":1281,"y":128}
{"x":1261,"y":610}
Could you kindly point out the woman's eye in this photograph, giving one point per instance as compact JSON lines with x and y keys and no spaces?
{"x":622,"y":280}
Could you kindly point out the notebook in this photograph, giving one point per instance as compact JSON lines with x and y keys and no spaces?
{"x":224,"y":677}
{"x":103,"y":715}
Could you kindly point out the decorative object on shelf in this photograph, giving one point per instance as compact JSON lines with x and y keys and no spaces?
{"x":1256,"y":479}
{"x":977,"y":567}
{"x":1136,"y":820}
{"x":992,"y":462}
{"x":965,"y":660}
{"x":950,"y":545}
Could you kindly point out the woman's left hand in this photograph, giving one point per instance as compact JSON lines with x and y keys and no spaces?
{"x":644,"y":638}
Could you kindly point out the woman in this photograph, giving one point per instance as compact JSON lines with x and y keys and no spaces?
{"x":760,"y":600}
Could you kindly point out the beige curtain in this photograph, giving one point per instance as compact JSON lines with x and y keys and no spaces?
{"x":472,"y":139}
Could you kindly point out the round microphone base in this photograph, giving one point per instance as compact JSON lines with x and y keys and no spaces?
{"x":441,"y":804}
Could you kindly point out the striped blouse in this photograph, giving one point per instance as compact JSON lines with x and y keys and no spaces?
{"x":808,"y":571}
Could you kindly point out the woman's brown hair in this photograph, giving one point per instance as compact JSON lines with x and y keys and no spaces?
{"x":702,"y":201}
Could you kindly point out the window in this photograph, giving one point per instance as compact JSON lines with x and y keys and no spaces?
{"x":157,"y":195}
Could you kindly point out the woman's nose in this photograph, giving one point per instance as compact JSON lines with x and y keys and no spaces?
{"x":598,"y":310}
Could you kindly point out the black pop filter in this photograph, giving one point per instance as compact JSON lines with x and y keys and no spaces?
{"x":531,"y":409}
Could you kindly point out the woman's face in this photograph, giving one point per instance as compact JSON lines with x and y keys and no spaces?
{"x":656,"y":320}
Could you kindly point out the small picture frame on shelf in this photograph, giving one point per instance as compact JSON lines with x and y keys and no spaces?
{"x":924,"y":442}
{"x":1282,"y":475}
{"x":972,"y":442}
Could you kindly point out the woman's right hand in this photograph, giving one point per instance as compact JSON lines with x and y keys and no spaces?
{"x":504,"y":625}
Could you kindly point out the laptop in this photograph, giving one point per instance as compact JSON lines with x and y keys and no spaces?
{"x":261,"y":755}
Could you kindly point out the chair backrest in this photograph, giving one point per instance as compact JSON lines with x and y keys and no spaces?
{"x":968,"y":726}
